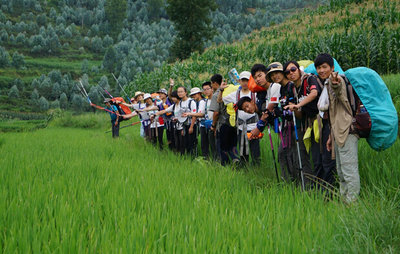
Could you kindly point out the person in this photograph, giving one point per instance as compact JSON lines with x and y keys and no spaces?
{"x":197,"y":96}
{"x":207,"y":136}
{"x":308,"y":89}
{"x":245,"y":122}
{"x":343,"y":139}
{"x":113,"y":111}
{"x":259,"y":73}
{"x":140,"y":109}
{"x":187,"y":105}
{"x":226,"y":138}
{"x":288,"y":155}
{"x":168,"y":123}
{"x":178,"y":128}
{"x":157,"y":123}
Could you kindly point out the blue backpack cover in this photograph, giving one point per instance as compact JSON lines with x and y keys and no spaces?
{"x":376,"y":98}
{"x":311,"y":68}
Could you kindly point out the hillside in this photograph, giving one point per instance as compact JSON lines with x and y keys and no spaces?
{"x":71,"y":38}
{"x":355,"y":32}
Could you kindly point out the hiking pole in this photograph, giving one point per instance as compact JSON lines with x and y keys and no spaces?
{"x":125,"y":126}
{"x":273,"y":153}
{"x":123,"y":90}
{"x":105,"y":90}
{"x":298,"y":151}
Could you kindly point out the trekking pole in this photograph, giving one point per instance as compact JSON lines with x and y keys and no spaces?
{"x":123,"y":90}
{"x":83,"y":91}
{"x":125,"y":126}
{"x":105,"y":90}
{"x":298,"y":152}
{"x":273,"y":153}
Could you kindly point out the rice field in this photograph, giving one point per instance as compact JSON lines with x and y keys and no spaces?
{"x":77,"y":190}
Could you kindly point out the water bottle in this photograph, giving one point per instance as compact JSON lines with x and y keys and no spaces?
{"x":234,"y":76}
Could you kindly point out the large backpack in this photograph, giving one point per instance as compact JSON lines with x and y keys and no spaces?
{"x":123,"y":110}
{"x":374,"y":95}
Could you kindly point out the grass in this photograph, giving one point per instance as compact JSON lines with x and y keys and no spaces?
{"x":79,"y":190}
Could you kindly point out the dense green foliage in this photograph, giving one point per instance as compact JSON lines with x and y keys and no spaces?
{"x":362,"y":33}
{"x":70,"y":190}
{"x":193,"y":25}
{"x":98,"y":37}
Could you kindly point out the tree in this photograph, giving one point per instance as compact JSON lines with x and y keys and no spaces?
{"x":56,"y":91}
{"x":85,"y":66}
{"x":55,"y":104}
{"x":35,"y":100}
{"x":14,"y":92}
{"x":110,"y":59}
{"x":63,"y":101}
{"x":4,"y":57}
{"x":18,"y":60}
{"x":154,"y":8}
{"x":43,"y":104}
{"x":193,"y":24}
{"x":115,"y":14}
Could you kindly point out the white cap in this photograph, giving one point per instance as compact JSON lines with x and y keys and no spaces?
{"x":146,"y":96}
{"x":194,"y":90}
{"x":245,"y":74}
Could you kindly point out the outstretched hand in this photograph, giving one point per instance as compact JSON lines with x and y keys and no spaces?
{"x":171,"y":82}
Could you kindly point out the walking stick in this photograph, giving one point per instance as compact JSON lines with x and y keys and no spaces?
{"x":273,"y":153}
{"x":298,"y":152}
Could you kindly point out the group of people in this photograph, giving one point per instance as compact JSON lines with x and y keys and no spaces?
{"x":314,"y":146}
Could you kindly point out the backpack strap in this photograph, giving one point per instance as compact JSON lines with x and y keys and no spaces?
{"x":350,"y":95}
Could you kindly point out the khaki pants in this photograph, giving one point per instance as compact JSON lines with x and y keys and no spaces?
{"x":347,"y":168}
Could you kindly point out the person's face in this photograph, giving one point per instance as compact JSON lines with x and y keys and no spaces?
{"x":260,"y":79}
{"x":139,"y":98}
{"x":324,"y":70}
{"x":175,"y":100}
{"x":292,"y":72}
{"x":214,"y":85}
{"x":108,"y":104}
{"x":163,"y":96}
{"x":207,"y":90}
{"x":148,"y":101}
{"x":277,"y":76}
{"x":248,"y":107}
{"x":181,"y":92}
{"x":244,"y":82}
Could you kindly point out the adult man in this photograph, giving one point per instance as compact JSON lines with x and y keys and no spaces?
{"x":225,"y":133}
{"x":112,"y":110}
{"x":259,"y":72}
{"x":340,"y":119}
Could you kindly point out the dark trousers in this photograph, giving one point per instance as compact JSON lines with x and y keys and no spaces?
{"x":207,"y":139}
{"x":179,"y":145}
{"x":324,"y":166}
{"x":157,"y":136}
{"x":288,"y":157}
{"x":115,"y":129}
{"x":169,"y":130}
{"x":227,"y":136}
{"x":190,"y":140}
{"x":254,"y":147}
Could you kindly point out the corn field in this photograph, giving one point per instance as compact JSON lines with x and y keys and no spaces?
{"x":356,"y":33}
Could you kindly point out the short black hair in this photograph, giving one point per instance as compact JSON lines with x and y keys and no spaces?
{"x":242,"y":100}
{"x":207,"y":83}
{"x":258,"y":67}
{"x":323,"y":58}
{"x":175,"y":94}
{"x":217,"y":78}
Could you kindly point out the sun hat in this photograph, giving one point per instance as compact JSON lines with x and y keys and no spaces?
{"x":138,"y":93}
{"x":273,"y":67}
{"x":107,"y":100}
{"x":245,"y":74}
{"x":146,"y":96}
{"x":163,"y":90}
{"x":194,"y":91}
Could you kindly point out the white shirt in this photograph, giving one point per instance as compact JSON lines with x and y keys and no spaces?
{"x":273,"y":94}
{"x":175,"y":108}
{"x":246,"y":116}
{"x":186,"y":108}
{"x":156,"y":121}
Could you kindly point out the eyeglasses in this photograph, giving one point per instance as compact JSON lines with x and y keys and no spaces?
{"x":206,"y":89}
{"x":272,"y":66}
{"x":293,"y":69}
